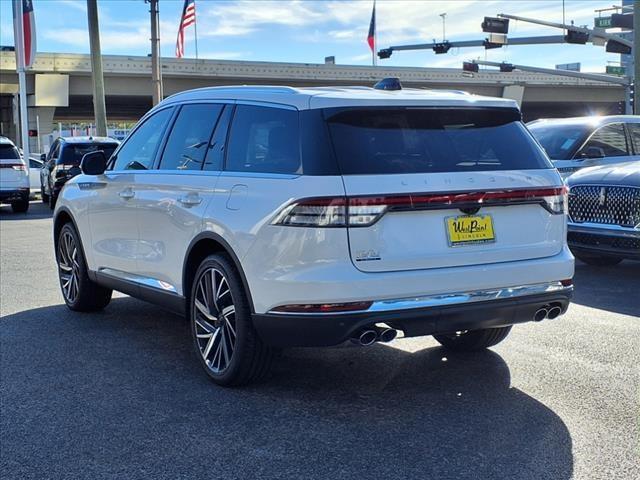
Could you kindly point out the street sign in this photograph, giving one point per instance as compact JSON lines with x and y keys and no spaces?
{"x":602,"y":22}
{"x":615,"y":70}
{"x":573,"y":67}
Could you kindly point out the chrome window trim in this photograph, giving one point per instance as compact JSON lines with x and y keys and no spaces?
{"x":604,"y":229}
{"x":139,"y":279}
{"x":448,"y":299}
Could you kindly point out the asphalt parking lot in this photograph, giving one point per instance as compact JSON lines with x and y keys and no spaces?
{"x":119,"y":394}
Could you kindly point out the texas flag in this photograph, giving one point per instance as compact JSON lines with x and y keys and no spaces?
{"x":371,"y":37}
{"x":24,"y":28}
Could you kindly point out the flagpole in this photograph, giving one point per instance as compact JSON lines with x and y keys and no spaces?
{"x":195,"y":26}
{"x":22,"y":80}
{"x":374,"y":61}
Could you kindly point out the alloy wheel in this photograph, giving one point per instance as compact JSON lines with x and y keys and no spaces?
{"x":215,"y":320}
{"x":69,"y":268}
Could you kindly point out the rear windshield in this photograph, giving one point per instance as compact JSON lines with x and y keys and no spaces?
{"x":560,"y":141}
{"x":72,"y":154}
{"x":424,"y":140}
{"x":8,"y":152}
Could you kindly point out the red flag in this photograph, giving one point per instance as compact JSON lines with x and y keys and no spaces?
{"x":371,"y":37}
{"x":188,"y":18}
{"x":25,"y":33}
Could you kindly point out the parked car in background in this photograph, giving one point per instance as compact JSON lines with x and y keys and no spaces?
{"x":34,"y":176}
{"x":277,"y":216}
{"x":14,"y":181}
{"x":63,"y":162}
{"x":604,"y":213}
{"x":579,"y":142}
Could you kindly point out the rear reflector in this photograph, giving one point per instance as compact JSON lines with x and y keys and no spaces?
{"x":324,"y":308}
{"x":567,"y":283}
{"x":366,"y":210}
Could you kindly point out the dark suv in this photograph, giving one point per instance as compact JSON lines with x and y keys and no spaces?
{"x":63,"y":162}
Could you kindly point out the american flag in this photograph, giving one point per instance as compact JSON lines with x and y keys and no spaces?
{"x":188,"y":19}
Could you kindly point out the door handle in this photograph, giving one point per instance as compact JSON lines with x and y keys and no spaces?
{"x":127,"y":194}
{"x":190,"y":200}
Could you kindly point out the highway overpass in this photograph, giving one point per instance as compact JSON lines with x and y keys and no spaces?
{"x":128,"y":85}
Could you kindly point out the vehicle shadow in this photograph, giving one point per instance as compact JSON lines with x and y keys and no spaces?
{"x":612,"y":288}
{"x":121,"y":393}
{"x":37,"y":210}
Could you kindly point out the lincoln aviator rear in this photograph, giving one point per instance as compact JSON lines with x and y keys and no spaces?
{"x":273,"y":217}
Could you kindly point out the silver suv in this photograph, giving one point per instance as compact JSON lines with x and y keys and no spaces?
{"x":275,"y":216}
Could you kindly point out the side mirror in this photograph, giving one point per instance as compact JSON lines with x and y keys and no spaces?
{"x":94,"y":163}
{"x":592,"y":152}
{"x":43,"y":157}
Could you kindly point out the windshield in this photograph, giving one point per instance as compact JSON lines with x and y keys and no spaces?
{"x":560,"y":141}
{"x":8,"y":152}
{"x":423,"y":140}
{"x":72,"y":154}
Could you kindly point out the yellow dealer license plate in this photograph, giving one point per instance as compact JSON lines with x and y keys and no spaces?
{"x":469,"y":229}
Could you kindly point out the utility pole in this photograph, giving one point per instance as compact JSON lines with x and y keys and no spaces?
{"x":156,"y":69}
{"x":636,"y":55}
{"x":444,"y":20}
{"x":99,"y":108}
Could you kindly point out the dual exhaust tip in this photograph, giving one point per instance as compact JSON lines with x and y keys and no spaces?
{"x":549,"y":311}
{"x":369,"y":336}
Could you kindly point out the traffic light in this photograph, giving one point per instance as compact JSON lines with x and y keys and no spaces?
{"x":573,"y":36}
{"x":440,"y":48}
{"x":384,"y":53}
{"x":495,"y":25}
{"x":619,"y":20}
{"x":470,"y":67}
{"x":489,"y":45}
{"x":506,"y":67}
{"x":614,"y":46}
{"x":632,"y":92}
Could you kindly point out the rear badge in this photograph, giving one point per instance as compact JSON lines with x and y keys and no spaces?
{"x":367,"y":255}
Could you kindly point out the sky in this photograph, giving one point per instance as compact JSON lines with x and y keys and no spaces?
{"x":307,"y":30}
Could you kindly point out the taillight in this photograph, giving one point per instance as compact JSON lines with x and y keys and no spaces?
{"x":314,"y":212}
{"x":324,"y":307}
{"x":21,"y":167}
{"x":367,"y":210}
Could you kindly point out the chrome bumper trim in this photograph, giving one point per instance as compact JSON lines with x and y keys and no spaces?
{"x":447,"y":299}
{"x":604,"y":229}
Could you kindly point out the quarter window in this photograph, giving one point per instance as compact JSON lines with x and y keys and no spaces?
{"x":189,"y":138}
{"x":140,"y":148}
{"x":607,"y":141}
{"x":634,"y":128}
{"x":264,"y":139}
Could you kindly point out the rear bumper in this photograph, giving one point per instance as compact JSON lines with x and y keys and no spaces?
{"x":604,"y":240}
{"x":472,"y":313}
{"x":14,"y":195}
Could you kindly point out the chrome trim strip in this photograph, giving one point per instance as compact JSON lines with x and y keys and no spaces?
{"x":139,"y":279}
{"x":447,"y":299}
{"x":603,"y":229}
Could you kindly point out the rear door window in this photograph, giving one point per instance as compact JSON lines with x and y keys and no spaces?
{"x":607,"y":141}
{"x":422,"y":140}
{"x":139,"y":149}
{"x":190,"y":137}
{"x":264,"y":139}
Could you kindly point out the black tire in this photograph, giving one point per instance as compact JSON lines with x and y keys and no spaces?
{"x":250,"y":359}
{"x":89,"y":296}
{"x":44,"y":196}
{"x":598,"y":260}
{"x":21,"y":206}
{"x":473,"y":340}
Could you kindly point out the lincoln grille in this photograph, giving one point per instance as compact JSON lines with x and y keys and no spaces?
{"x":606,"y":205}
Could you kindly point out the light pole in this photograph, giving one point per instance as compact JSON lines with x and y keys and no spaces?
{"x":99,"y":108}
{"x":443,"y":15}
{"x":156,"y":69}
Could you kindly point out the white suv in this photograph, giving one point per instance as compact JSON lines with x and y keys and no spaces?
{"x":275,"y":216}
{"x":14,"y":179}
